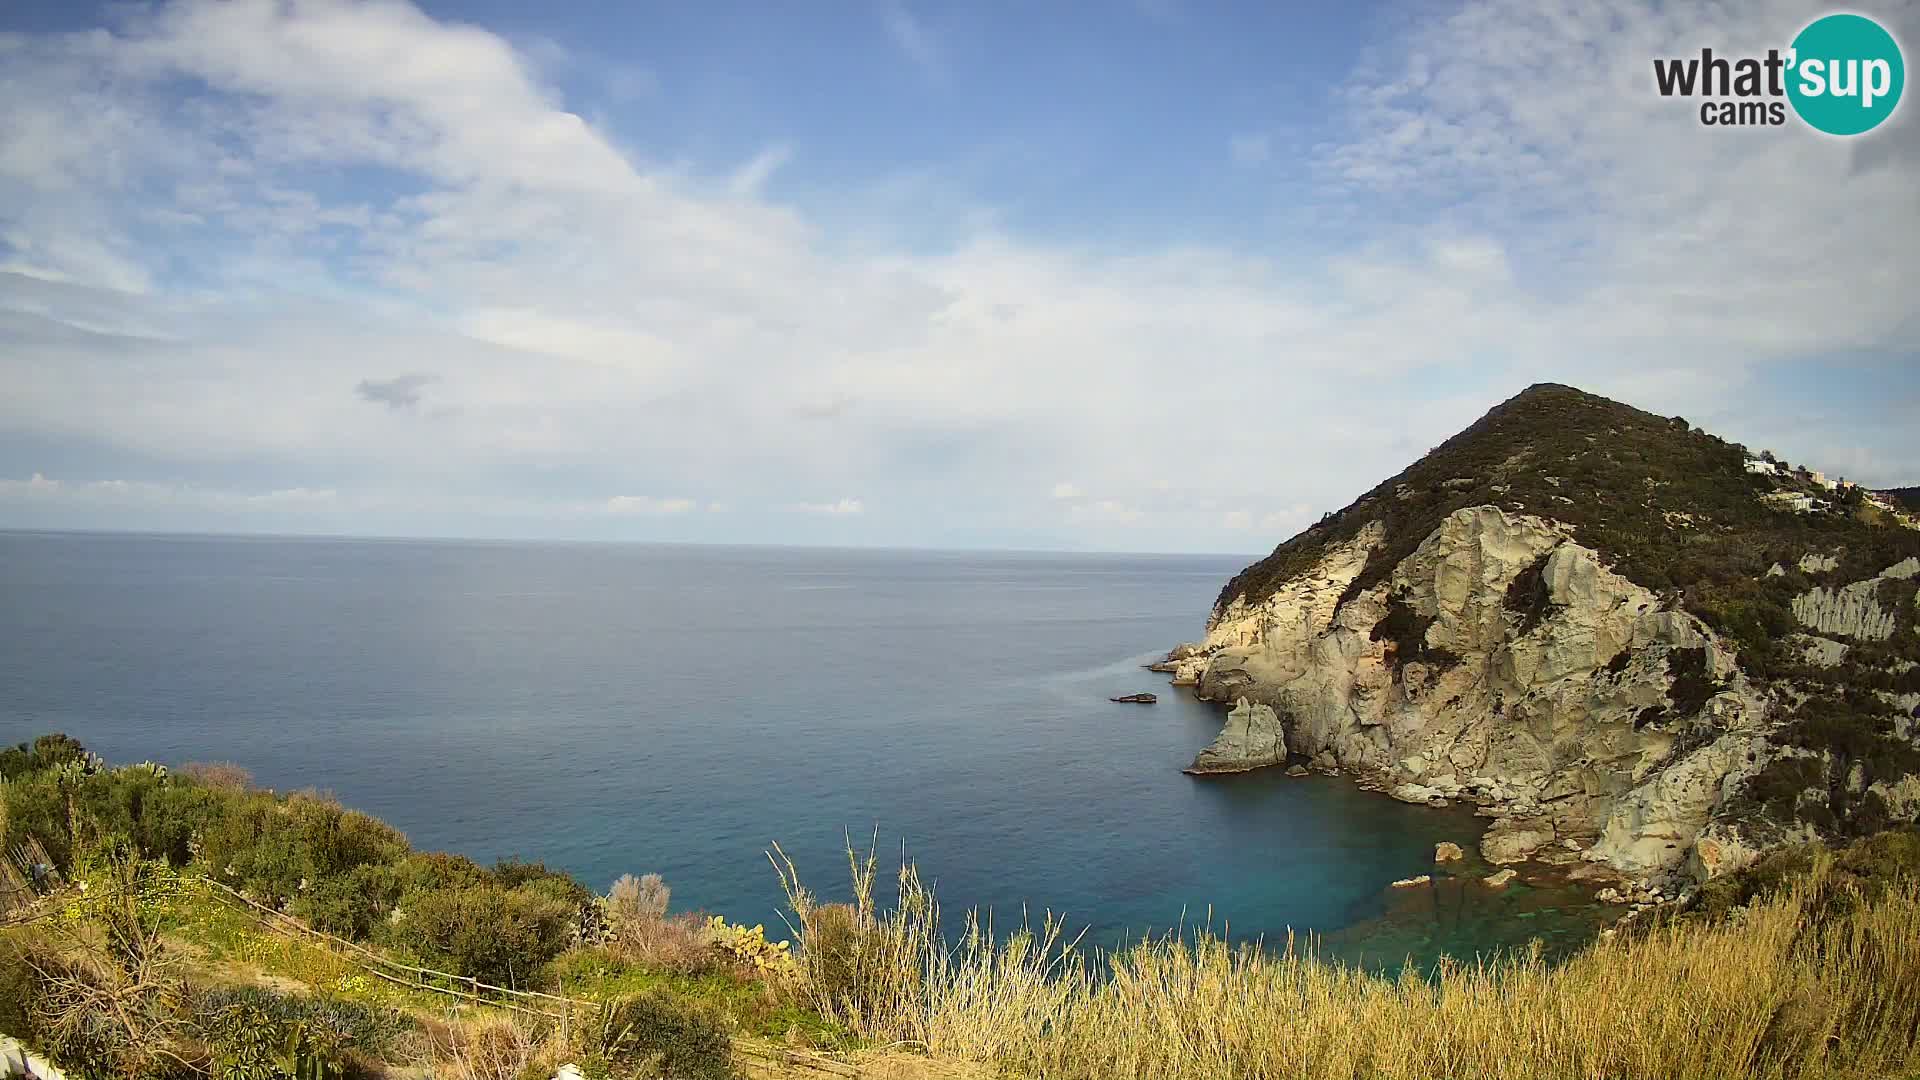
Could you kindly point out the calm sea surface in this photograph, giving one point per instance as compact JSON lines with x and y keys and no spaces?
{"x":631,"y":708}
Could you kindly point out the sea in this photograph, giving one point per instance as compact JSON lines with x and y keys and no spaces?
{"x":613,"y":708}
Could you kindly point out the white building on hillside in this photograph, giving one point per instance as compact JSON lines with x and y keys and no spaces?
{"x":1755,"y":465}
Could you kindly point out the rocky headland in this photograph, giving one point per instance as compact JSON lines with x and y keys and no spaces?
{"x":1592,"y":623}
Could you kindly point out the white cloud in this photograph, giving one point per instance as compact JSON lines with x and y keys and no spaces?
{"x":912,"y":37}
{"x":647,"y":504}
{"x":32,"y":487}
{"x":752,"y":176}
{"x":594,"y":321}
{"x":302,"y":497}
{"x":1106,"y":512}
{"x":837,"y":508}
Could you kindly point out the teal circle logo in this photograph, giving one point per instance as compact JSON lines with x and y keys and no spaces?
{"x":1845,"y":75}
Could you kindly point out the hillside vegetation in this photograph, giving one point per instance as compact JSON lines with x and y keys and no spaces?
{"x":1808,"y":966}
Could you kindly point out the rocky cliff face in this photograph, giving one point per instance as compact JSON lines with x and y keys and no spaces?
{"x":1599,"y":625}
{"x":1504,"y":662}
{"x":1852,"y":610}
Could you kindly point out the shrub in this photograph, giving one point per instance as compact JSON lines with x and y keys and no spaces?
{"x":831,"y":933}
{"x":499,"y":936}
{"x":536,"y":878}
{"x":680,"y":944}
{"x":426,"y":871}
{"x":37,"y":809}
{"x":654,"y":1031}
{"x":250,"y":1044}
{"x":219,"y":775}
{"x":864,"y":967}
{"x":1527,"y":596}
{"x":1407,"y":630}
{"x":1692,"y":687}
{"x":350,"y":1026}
{"x":351,"y":905}
{"x":634,"y":898}
{"x":103,"y":1002}
{"x":44,"y":753}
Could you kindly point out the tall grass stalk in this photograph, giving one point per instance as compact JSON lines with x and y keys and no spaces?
{"x":1774,"y":992}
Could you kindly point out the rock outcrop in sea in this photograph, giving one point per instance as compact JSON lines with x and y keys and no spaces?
{"x":1252,"y":738}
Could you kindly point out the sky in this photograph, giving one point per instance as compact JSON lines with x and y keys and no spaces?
{"x":1149,"y":276}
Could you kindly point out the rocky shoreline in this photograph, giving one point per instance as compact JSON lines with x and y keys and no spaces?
{"x":1519,"y":835}
{"x":1602,"y":729}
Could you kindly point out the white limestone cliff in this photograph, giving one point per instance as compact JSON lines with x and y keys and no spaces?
{"x":1563,"y":721}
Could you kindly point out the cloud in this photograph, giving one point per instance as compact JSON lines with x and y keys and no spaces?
{"x":1106,"y":511}
{"x":400,"y":392}
{"x":912,"y":38}
{"x":752,"y":176}
{"x":298,"y":496}
{"x":1505,"y":204}
{"x":647,"y":504}
{"x":34,"y":486}
{"x":838,"y":508}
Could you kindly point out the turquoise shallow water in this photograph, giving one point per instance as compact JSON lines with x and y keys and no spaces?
{"x":632,"y":708}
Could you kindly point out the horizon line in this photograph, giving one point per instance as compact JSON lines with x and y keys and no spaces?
{"x":444,"y":538}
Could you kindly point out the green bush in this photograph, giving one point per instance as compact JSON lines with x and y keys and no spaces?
{"x":349,"y":905}
{"x":37,"y":808}
{"x":1861,"y":871}
{"x":429,"y":871}
{"x":249,"y":1043}
{"x":534,"y":876}
{"x":499,"y":936}
{"x":45,"y":752}
{"x":675,"y":1039}
{"x":349,"y":1027}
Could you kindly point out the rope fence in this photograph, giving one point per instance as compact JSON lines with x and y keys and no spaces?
{"x":531,"y":1002}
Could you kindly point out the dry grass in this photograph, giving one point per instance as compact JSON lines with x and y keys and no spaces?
{"x":495,"y":1048}
{"x":679,"y":944}
{"x":1773,"y":993}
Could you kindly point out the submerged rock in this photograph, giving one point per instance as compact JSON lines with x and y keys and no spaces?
{"x":1447,"y":851}
{"x":1500,"y":879}
{"x":1135,"y":699}
{"x":1409,"y":882}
